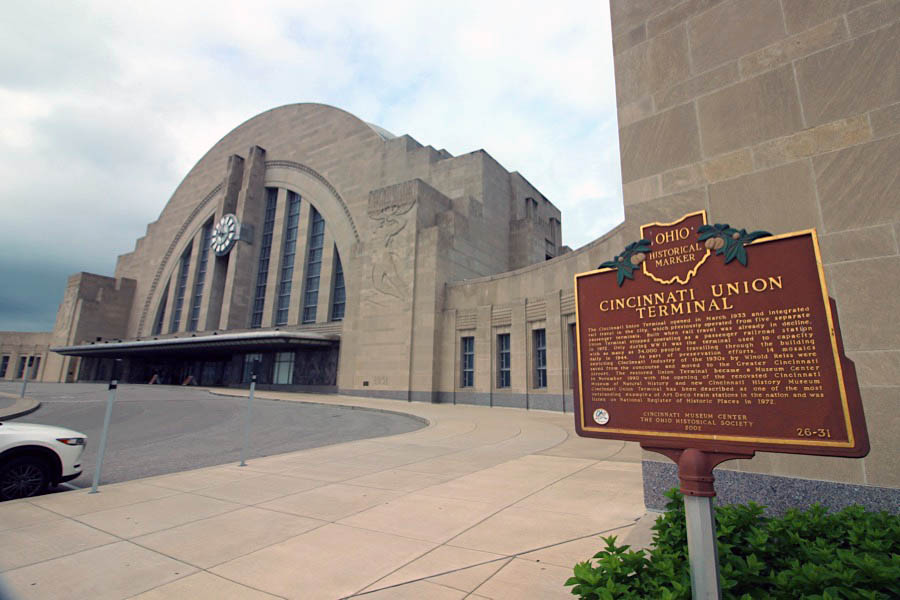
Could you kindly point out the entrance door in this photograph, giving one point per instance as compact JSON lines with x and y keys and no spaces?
{"x":213,"y":373}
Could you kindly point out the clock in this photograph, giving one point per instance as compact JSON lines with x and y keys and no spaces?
{"x":225,"y":234}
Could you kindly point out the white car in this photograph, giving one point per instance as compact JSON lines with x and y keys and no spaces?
{"x":32,"y":457}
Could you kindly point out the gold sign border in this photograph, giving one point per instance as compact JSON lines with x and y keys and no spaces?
{"x":690,"y":273}
{"x":734,"y":438}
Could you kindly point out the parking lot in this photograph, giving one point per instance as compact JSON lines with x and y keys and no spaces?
{"x":162,"y":429}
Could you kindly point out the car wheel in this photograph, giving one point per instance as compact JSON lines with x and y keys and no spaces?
{"x":23,"y":477}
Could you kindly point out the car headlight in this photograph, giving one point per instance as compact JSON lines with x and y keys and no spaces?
{"x":76,"y":441}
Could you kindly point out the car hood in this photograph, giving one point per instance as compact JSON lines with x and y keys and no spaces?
{"x":36,"y":430}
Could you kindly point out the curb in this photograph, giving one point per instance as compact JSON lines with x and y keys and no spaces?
{"x":422,"y":420}
{"x":22,"y":407}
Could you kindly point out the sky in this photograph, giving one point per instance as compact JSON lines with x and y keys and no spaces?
{"x":105,"y":107}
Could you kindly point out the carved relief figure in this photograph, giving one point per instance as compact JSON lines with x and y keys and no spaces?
{"x":387,"y":261}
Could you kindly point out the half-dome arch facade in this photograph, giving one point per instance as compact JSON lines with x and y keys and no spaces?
{"x":315,"y":249}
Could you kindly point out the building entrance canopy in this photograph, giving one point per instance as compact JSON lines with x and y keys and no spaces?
{"x":216,"y":343}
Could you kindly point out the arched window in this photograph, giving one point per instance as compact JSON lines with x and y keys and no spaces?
{"x":161,"y":315}
{"x":197,"y":296}
{"x":287,"y":259}
{"x":180,"y":286}
{"x":313,"y":266}
{"x":338,"y":294}
{"x":265,"y":251}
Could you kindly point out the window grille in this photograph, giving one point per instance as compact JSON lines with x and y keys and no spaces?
{"x":180,"y":286}
{"x":540,"y":358}
{"x":503,"y":361}
{"x":201,"y":277}
{"x":265,"y":251}
{"x":313,"y":266}
{"x":467,"y":361}
{"x":339,"y":294}
{"x":161,"y":315}
{"x":289,"y":248}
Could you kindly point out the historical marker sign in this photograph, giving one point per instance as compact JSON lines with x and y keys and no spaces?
{"x":713,"y":338}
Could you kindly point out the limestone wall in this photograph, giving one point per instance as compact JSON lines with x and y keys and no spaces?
{"x":769,"y":114}
{"x":14,"y":345}
{"x":779,"y":115}
{"x":93,"y":307}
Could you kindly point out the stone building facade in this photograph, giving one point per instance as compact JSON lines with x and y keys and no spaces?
{"x":18,"y":347}
{"x":779,"y":115}
{"x":347,"y":238}
{"x":378,"y":266}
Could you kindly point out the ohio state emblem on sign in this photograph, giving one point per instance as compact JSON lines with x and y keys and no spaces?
{"x":675,"y":253}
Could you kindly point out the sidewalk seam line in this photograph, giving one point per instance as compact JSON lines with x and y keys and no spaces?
{"x":485,"y":519}
{"x":506,"y":557}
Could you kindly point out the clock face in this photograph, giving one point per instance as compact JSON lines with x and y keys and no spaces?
{"x":224,"y":235}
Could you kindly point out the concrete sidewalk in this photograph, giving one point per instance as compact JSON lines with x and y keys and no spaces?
{"x":483,"y":503}
{"x":11,"y":406}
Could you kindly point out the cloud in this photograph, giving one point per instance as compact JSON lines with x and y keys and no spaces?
{"x":53,"y":46}
{"x":31,"y":303}
{"x":107,"y":104}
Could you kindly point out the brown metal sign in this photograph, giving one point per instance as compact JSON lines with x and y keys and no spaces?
{"x":708,"y":337}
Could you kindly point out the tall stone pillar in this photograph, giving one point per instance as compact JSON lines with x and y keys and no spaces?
{"x":484,"y":355}
{"x":555,"y":348}
{"x":217,"y":270}
{"x":240,"y":277}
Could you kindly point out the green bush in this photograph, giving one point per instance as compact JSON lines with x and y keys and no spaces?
{"x":803,"y":554}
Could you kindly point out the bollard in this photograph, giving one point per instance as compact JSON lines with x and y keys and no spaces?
{"x":24,"y":377}
{"x":109,"y":404}
{"x":113,"y":384}
{"x":247,"y":420}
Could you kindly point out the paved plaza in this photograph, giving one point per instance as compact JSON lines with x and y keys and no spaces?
{"x":167,"y":429}
{"x":482,"y":503}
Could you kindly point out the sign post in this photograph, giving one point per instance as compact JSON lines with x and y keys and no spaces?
{"x":111,"y":398}
{"x":706,"y":343}
{"x":253,"y":370}
{"x":701,"y":534}
{"x":24,"y":377}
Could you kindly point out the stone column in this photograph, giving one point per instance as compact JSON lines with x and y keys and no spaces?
{"x":426,"y":346}
{"x":570,"y":360}
{"x":240,"y":278}
{"x":217,"y":268}
{"x":555,"y":347}
{"x":13,"y":366}
{"x":484,"y":356}
{"x":518,"y":354}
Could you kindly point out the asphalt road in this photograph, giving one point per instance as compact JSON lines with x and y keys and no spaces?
{"x":165,"y":429}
